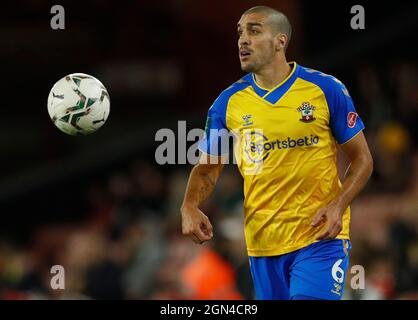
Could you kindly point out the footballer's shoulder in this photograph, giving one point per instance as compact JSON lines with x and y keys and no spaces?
{"x":325,"y":81}
{"x":239,"y":85}
{"x":222,"y":100}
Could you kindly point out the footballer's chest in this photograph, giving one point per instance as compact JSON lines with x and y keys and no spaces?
{"x":293,"y":117}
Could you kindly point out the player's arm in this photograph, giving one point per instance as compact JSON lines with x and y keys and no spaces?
{"x":202,"y":180}
{"x":358,"y":172}
{"x":346,"y":127}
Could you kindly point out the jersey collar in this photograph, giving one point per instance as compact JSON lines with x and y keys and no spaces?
{"x":273,"y":95}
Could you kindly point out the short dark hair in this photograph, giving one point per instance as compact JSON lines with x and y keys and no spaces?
{"x":278,"y":20}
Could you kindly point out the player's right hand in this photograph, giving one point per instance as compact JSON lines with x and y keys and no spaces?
{"x":196,"y":225}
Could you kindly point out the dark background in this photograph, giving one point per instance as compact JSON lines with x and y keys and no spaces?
{"x":165,"y":61}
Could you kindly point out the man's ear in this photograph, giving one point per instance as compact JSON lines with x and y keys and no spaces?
{"x":281,"y":41}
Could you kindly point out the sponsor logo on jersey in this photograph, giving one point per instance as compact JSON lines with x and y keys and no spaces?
{"x":258,"y":147}
{"x":352,"y":119}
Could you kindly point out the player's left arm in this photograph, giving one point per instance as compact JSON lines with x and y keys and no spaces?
{"x":347,"y":129}
{"x":358,"y":172}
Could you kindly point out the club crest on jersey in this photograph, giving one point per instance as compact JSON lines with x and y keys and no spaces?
{"x":306,"y":110}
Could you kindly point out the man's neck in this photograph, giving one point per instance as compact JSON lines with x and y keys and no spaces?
{"x":273,"y":75}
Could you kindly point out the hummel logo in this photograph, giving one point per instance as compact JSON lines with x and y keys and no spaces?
{"x":247,"y":120}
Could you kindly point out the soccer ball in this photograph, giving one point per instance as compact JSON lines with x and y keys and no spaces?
{"x":78,"y":104}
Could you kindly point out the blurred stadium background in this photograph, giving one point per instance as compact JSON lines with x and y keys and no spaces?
{"x":100,"y":205}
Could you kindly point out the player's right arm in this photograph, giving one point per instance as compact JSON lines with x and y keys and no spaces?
{"x":202,"y":180}
{"x":214,"y":146}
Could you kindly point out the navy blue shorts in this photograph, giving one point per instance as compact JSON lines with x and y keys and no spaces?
{"x":317,"y":271}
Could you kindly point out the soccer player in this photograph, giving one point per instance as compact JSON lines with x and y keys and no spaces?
{"x":297,"y":211}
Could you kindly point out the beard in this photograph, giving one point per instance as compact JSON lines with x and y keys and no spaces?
{"x":250,"y":67}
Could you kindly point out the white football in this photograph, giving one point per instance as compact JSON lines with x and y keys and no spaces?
{"x":78,"y":104}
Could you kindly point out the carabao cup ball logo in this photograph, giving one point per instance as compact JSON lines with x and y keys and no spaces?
{"x":254,"y":146}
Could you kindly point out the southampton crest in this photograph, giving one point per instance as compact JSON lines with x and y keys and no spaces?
{"x":306,"y":111}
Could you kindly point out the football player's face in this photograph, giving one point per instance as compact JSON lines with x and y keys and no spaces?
{"x":256,"y":42}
